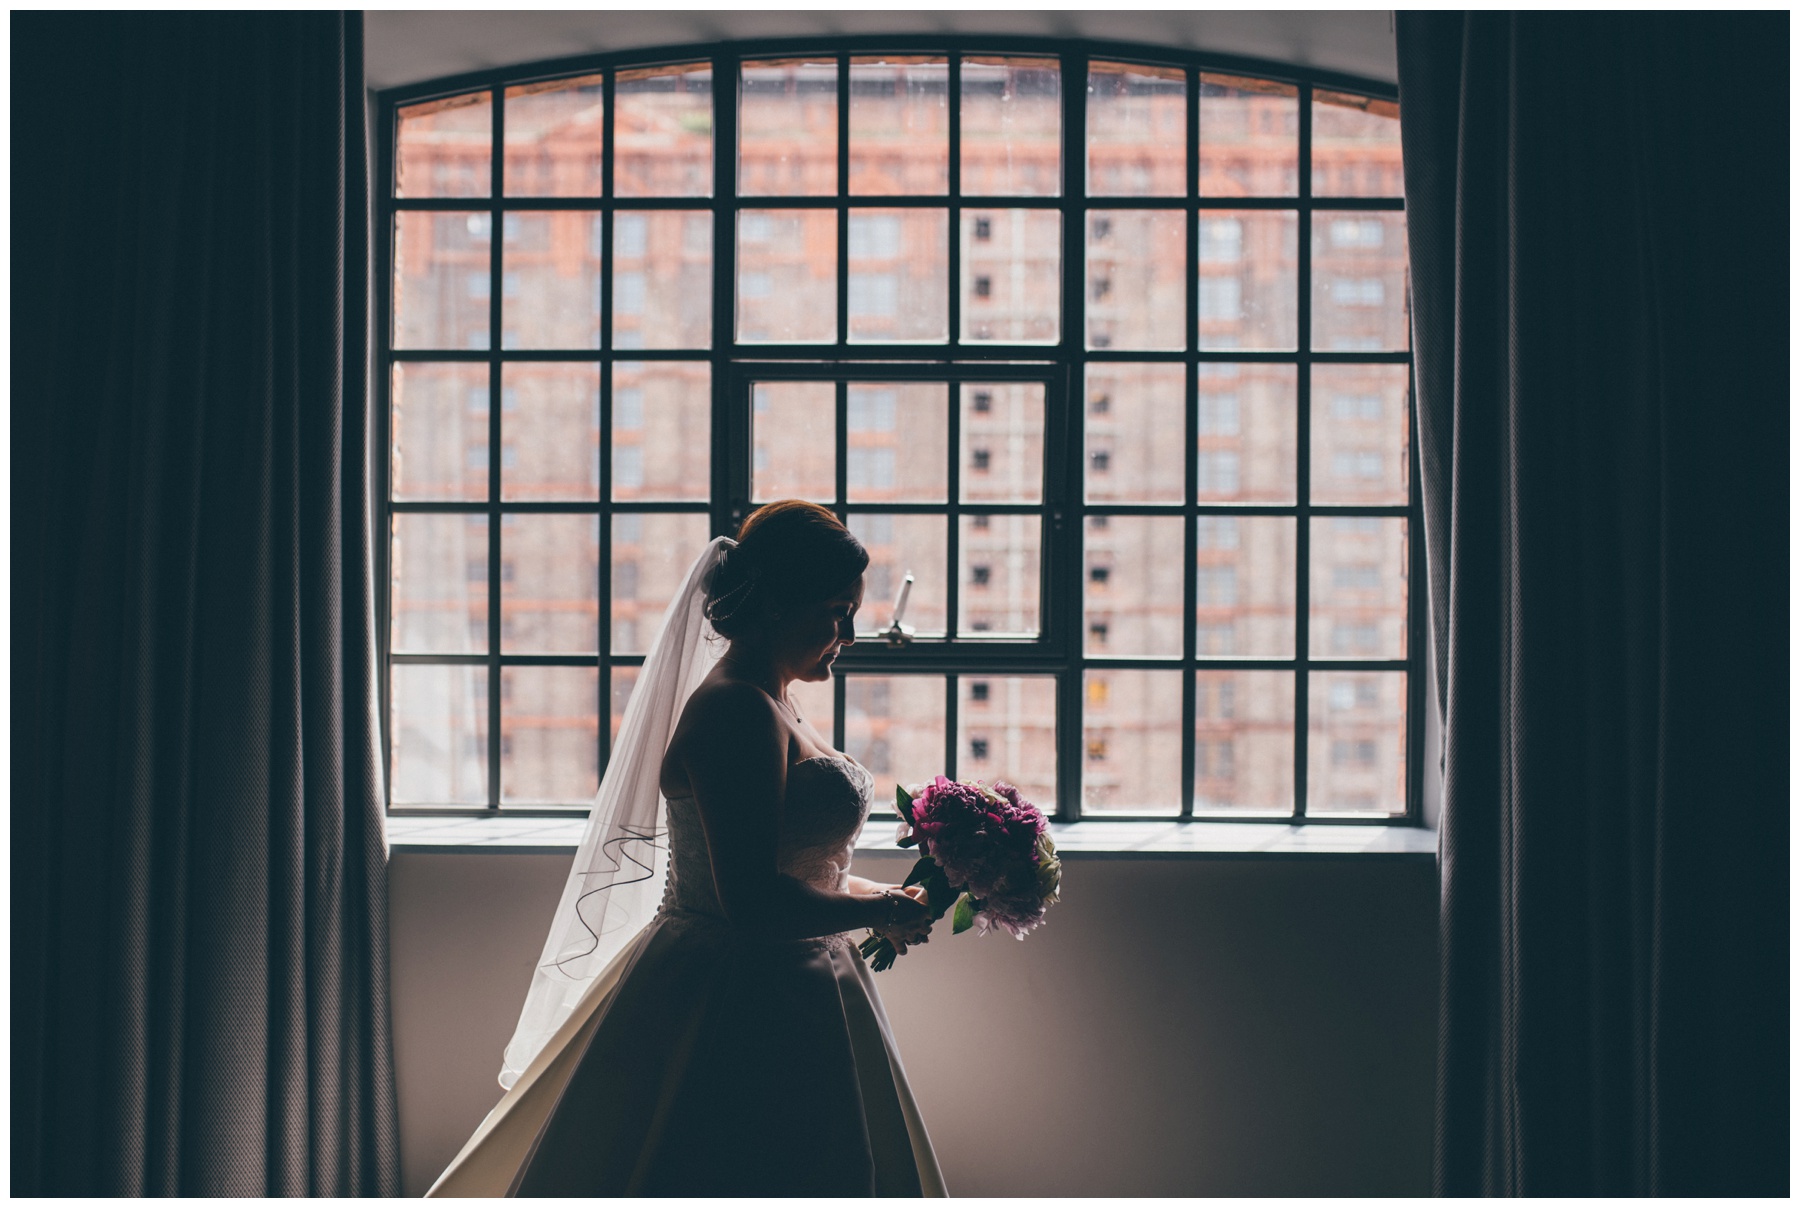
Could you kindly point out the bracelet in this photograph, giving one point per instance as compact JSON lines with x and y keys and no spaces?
{"x":892,"y":904}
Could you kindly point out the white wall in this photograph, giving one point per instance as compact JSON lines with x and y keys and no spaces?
{"x":1223,"y":1026}
{"x":410,"y":46}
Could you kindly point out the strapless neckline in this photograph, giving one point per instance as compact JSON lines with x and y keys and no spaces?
{"x":837,"y":758}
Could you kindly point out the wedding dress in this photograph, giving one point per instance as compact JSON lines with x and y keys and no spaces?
{"x":702,"y":1060}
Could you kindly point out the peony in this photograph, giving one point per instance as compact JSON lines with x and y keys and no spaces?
{"x":987,"y":858}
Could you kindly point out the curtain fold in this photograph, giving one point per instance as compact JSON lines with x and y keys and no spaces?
{"x":200,"y":997}
{"x":1597,"y":216}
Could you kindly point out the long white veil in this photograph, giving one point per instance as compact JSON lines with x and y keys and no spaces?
{"x":620,"y":868}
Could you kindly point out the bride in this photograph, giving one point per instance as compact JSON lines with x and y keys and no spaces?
{"x":727,"y":1040}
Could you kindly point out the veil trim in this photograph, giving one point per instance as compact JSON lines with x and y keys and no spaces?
{"x":615,"y":884}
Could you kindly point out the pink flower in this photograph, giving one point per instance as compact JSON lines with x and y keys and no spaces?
{"x":981,"y":836}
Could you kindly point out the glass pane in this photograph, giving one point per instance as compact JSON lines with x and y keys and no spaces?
{"x":624,"y":679}
{"x":1249,"y":280}
{"x":999,"y":556}
{"x":445,"y":148}
{"x":1359,"y":298}
{"x":554,"y":142}
{"x":663,"y":132}
{"x":793,"y":434}
{"x":550,"y":283}
{"x":1247,"y":433}
{"x":1356,"y":743}
{"x":1011,"y":128}
{"x":549,"y":584}
{"x":899,"y":287}
{"x":1012,"y":276}
{"x":897,"y":545}
{"x":662,"y":430}
{"x":1002,"y":442}
{"x":1136,"y":279}
{"x":787,"y":130}
{"x":1355,"y":146}
{"x":549,"y":735}
{"x":1244,"y":603}
{"x":1243,"y":742}
{"x":1249,"y":138}
{"x":442,"y":279}
{"x":1359,"y":443}
{"x":1135,"y":415}
{"x":898,"y":438}
{"x":1137,"y":131}
{"x":440,"y":575}
{"x":440,"y":431}
{"x":1358,"y":587}
{"x":787,"y":276}
{"x":1006,"y":730}
{"x":650,"y":556}
{"x":1132,"y":585}
{"x":894,"y":726}
{"x":549,"y":431}
{"x":439,"y":727}
{"x":899,"y":126}
{"x":662,"y":279}
{"x":1131,"y":742}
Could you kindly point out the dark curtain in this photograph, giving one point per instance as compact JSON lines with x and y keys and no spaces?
{"x":199,"y":923}
{"x":1597,"y":210}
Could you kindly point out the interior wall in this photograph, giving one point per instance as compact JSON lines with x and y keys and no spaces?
{"x":410,"y":46}
{"x":1242,"y":1026}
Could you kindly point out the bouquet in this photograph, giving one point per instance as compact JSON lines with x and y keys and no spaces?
{"x":988,"y":859}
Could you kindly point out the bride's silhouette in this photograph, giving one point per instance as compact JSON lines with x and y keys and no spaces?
{"x":733,"y":1044}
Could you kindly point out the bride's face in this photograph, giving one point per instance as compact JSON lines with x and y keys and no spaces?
{"x":811,"y":637}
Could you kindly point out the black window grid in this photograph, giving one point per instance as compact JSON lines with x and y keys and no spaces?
{"x":1058,"y":651}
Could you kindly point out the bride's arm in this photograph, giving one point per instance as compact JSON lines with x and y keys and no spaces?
{"x":736,"y":761}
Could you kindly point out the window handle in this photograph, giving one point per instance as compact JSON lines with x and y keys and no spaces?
{"x":897,"y":634}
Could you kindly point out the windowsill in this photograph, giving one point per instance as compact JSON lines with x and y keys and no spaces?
{"x":1081,"y":840}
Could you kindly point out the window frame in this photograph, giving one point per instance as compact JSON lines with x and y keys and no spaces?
{"x":1059,"y":648}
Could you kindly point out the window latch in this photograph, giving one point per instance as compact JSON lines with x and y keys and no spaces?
{"x":899,"y":635}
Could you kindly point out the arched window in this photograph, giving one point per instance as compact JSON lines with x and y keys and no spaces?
{"x":1108,"y":350}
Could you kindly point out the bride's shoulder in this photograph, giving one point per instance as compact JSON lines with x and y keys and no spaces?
{"x":729,"y":712}
{"x":726,"y":723}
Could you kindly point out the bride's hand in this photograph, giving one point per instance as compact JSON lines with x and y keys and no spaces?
{"x":913,"y":923}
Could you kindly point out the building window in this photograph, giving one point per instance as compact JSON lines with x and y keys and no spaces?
{"x":1218,"y":415}
{"x":1221,"y":241}
{"x":669,"y":330}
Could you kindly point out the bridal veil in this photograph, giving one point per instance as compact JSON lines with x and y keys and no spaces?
{"x":616,"y":882}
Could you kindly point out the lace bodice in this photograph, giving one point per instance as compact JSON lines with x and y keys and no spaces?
{"x":826,"y":805}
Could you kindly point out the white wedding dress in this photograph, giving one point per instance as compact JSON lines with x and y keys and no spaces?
{"x":703,"y":1061}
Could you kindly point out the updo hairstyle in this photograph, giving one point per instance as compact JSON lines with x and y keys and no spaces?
{"x":789,"y":553}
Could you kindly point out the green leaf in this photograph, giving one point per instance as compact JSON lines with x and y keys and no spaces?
{"x":903,"y":802}
{"x":965,"y":915}
{"x":922,"y":872}
{"x":909,"y":841}
{"x":938,"y":894}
